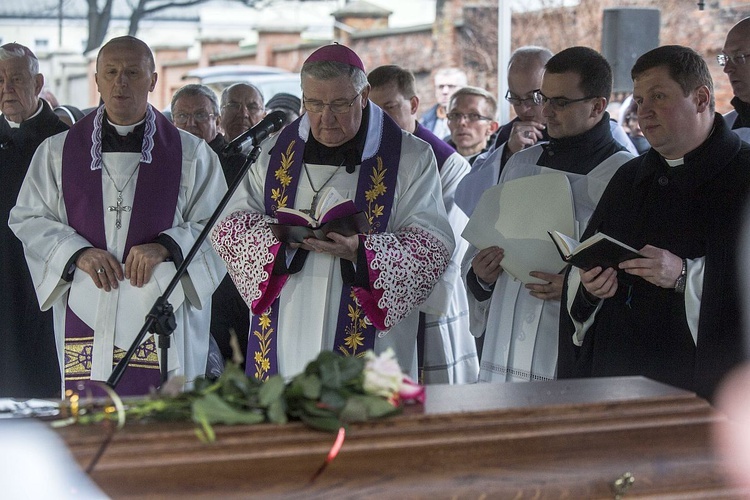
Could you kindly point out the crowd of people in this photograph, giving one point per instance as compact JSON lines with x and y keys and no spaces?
{"x":104,"y":204}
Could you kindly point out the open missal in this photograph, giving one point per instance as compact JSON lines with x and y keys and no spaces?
{"x":598,"y":250}
{"x":333,"y":214}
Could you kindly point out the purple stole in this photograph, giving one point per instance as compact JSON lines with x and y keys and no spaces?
{"x":442,"y":149}
{"x":154,"y":205}
{"x":376,"y":187}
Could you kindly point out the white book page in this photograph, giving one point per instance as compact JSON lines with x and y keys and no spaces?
{"x":517,"y":215}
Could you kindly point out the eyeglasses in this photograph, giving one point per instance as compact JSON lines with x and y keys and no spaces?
{"x":199,"y":117}
{"x":725,"y":59}
{"x":517,"y":101}
{"x":558,"y":102}
{"x":252,"y":108}
{"x":339,"y":106}
{"x":470,"y":117}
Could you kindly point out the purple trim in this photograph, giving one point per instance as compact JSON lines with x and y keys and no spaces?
{"x":442,"y":149}
{"x":154,"y":205}
{"x":389,"y":152}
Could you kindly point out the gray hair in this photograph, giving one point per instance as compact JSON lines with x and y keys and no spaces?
{"x":530,"y":55}
{"x":196,"y":89}
{"x":16,"y":50}
{"x":329,"y":70}
{"x":225,"y":92}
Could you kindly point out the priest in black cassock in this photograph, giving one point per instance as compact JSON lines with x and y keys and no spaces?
{"x":28,"y":362}
{"x":673,"y":315}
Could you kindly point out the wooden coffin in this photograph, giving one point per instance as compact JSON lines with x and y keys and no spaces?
{"x":562,"y":439}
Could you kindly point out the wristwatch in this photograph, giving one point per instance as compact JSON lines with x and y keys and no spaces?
{"x":679,"y":285}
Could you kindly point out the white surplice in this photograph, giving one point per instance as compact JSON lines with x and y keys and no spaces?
{"x":309,"y":300}
{"x":520,"y":339}
{"x":39,"y":220}
{"x":450,"y":352}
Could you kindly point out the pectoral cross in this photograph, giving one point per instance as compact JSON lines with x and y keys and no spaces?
{"x":119,"y":208}
{"x":313,"y":206}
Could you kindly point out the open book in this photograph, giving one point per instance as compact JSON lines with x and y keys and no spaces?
{"x":598,"y":250}
{"x":333,"y":214}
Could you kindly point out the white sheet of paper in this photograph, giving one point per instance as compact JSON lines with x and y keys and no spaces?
{"x":133,"y":303}
{"x":516,"y":216}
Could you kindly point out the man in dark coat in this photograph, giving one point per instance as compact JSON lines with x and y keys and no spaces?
{"x":672,"y":315}
{"x":28,"y":360}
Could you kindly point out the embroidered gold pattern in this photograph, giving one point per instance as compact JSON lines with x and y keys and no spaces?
{"x":261,"y":358}
{"x":282,"y":175}
{"x":376,"y":190}
{"x":78,"y":357}
{"x":359,"y":322}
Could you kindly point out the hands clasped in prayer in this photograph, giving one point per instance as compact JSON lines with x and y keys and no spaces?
{"x":106,"y":271}
{"x":659,"y":267}
{"x":343,"y":247}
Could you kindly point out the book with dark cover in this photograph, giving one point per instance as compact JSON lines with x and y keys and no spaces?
{"x":294,"y":226}
{"x":598,"y":250}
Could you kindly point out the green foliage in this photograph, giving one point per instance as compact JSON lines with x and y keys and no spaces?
{"x":326,"y":396}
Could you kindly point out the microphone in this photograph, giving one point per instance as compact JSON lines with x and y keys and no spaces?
{"x":267,"y":126}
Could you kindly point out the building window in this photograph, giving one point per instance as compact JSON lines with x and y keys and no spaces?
{"x":41,"y":44}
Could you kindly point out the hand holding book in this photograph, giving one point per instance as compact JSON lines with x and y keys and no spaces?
{"x":598,"y":250}
{"x":333,"y":214}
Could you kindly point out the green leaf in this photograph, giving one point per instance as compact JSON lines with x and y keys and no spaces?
{"x":378,"y":407}
{"x":314,"y":409}
{"x":277,"y":412}
{"x":328,"y":424}
{"x":271,"y":391}
{"x":214,"y":410}
{"x":333,"y":398}
{"x":354,"y":411}
{"x":311,"y":386}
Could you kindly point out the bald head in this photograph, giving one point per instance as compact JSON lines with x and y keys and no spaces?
{"x":525,"y":70}
{"x":129,"y":43}
{"x":738,"y":68}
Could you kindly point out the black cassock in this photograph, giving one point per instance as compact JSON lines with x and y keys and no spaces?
{"x":28,"y":358}
{"x":694,"y":210}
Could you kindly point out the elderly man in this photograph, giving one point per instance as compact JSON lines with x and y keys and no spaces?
{"x":241,"y":108}
{"x":734,"y":59}
{"x":195,"y":109}
{"x":449,"y":352}
{"x":521,"y":321}
{"x":471,"y":120}
{"x":447,"y":81}
{"x":107,"y":211}
{"x":348,"y":294}
{"x":674,"y":314}
{"x":28,"y":363}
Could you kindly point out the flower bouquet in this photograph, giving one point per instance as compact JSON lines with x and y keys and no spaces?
{"x":332,"y":392}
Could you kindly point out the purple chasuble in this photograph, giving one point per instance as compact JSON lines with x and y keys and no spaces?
{"x":377,"y":181}
{"x":153,"y":210}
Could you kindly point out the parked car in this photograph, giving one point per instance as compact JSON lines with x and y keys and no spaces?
{"x":269,"y":80}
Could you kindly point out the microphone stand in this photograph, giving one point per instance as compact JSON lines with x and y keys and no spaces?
{"x":160,"y":319}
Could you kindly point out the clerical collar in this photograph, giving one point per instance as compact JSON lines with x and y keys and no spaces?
{"x":122,"y":138}
{"x":675,"y":163}
{"x":18,"y":125}
{"x":347,"y":154}
{"x":743,"y":113}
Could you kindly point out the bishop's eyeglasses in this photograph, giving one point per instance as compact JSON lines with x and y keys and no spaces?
{"x":725,"y":59}
{"x":339,"y":106}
